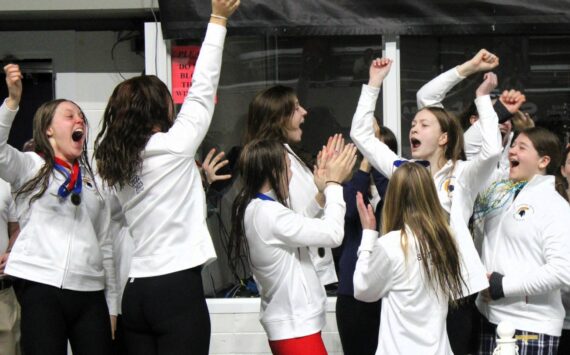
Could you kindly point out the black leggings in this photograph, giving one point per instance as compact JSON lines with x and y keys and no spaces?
{"x":51,"y":316}
{"x":358,"y":325}
{"x":166,"y":315}
{"x":463,"y":326}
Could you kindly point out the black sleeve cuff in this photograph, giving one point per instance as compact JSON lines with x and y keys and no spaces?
{"x":496,"y":286}
{"x":502,"y":112}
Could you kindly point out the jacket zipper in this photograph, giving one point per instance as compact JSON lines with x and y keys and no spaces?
{"x":69,"y":244}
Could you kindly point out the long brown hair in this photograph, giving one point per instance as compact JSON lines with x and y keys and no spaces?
{"x":137,"y":109}
{"x":411,"y":201}
{"x":260,"y":161}
{"x":269,"y":114}
{"x":41,"y":122}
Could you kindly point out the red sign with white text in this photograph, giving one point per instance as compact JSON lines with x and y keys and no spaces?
{"x":183,"y":62}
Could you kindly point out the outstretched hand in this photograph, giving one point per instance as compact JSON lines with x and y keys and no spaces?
{"x":489,"y":83}
{"x":212,"y":164}
{"x":14,"y":83}
{"x":367,"y":218}
{"x":512,"y":100}
{"x":482,"y":61}
{"x":379,"y":69}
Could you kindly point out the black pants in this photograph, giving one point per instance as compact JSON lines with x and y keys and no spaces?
{"x":463,"y":326}
{"x":564,"y":345}
{"x":119,"y":344}
{"x":166,"y":315}
{"x":51,"y":316}
{"x":358,"y":325}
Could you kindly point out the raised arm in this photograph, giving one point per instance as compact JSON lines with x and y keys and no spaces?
{"x":15,"y":166}
{"x":193,"y":121}
{"x":433,"y":93}
{"x":481,"y":166}
{"x":362,"y":128}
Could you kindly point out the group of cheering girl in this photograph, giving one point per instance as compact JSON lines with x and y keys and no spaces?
{"x":435,"y":277}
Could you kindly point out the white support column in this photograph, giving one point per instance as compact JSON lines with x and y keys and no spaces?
{"x":392,"y":108}
{"x":157,"y":53}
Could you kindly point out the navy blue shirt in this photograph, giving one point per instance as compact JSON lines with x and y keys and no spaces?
{"x":352,"y":227}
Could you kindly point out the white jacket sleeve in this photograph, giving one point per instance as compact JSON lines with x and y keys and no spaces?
{"x":554,"y":274}
{"x":362,"y":133}
{"x":433,"y":93}
{"x":15,"y":166}
{"x":289,"y":228}
{"x":478,"y":170}
{"x":193,"y":121}
{"x":373,"y":273}
{"x":106,"y":244}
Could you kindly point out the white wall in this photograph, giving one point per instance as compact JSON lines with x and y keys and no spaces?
{"x":83,"y":69}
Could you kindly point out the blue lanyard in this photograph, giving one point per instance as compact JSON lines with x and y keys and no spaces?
{"x":264,"y":197}
{"x":64,"y":191}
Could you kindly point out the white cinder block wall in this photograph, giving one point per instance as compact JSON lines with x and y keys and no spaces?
{"x":236,"y":328}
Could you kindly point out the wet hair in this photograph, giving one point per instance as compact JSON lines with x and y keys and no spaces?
{"x":454,"y":149}
{"x":261,"y":161}
{"x":411,"y":202}
{"x":269,"y":114}
{"x":41,"y":122}
{"x":389,"y":138}
{"x":137,"y":109}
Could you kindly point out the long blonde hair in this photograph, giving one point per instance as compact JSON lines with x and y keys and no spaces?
{"x":411,"y":201}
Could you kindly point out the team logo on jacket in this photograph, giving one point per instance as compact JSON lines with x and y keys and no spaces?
{"x":522,"y":212}
{"x":448,"y":185}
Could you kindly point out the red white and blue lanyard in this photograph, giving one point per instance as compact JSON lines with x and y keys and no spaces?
{"x":73,"y":182}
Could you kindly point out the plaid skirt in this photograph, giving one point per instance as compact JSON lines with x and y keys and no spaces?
{"x":529,"y":343}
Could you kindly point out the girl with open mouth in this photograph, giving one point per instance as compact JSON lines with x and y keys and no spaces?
{"x":526,"y":246}
{"x":436,"y":137}
{"x":62,"y":258}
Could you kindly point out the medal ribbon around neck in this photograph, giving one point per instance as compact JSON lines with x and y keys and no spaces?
{"x":73,"y":182}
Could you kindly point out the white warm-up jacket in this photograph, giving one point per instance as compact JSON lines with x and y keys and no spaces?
{"x":302,"y":191}
{"x":165,"y":205}
{"x":457,"y":184}
{"x":59,"y":244}
{"x":293,"y":301}
{"x":413,"y":319}
{"x":528,"y":241}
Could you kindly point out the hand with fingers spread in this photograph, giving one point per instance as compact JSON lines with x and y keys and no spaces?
{"x":339,"y":167}
{"x":14,"y":84}
{"x":212,"y":164}
{"x":482,"y":61}
{"x":512,"y":100}
{"x":222,"y":10}
{"x":379,"y":69}
{"x":366,"y":213}
{"x":489,"y":83}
